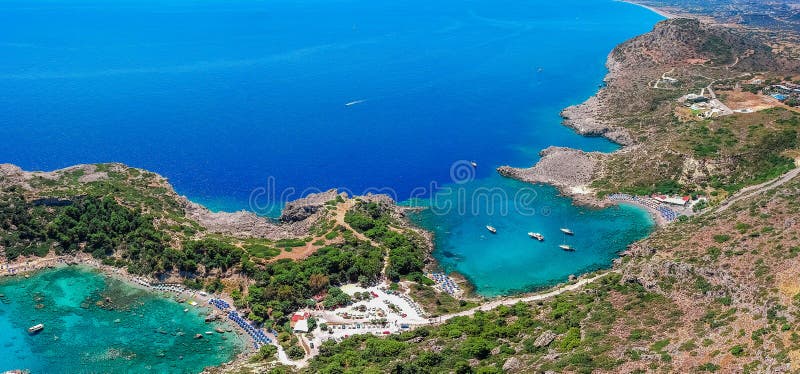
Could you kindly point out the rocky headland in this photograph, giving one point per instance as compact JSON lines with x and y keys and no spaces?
{"x":637,"y":108}
{"x":570,"y":170}
{"x":586,"y":119}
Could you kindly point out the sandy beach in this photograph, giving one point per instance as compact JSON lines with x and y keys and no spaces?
{"x":662,"y":12}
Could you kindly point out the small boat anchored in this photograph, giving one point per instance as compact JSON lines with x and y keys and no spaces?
{"x":491,"y":229}
{"x":536,"y":235}
{"x":567,"y":231}
{"x":566,"y":248}
{"x":36,"y":328}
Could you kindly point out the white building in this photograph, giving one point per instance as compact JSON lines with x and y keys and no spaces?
{"x":301,"y":326}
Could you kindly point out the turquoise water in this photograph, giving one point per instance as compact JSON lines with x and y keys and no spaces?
{"x":510,"y":261}
{"x":142,"y":332}
{"x":242,"y":105}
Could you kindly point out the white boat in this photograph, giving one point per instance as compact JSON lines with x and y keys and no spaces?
{"x":566,"y":248}
{"x":354,"y":102}
{"x":36,"y":328}
{"x":536,"y":235}
{"x":473,"y":163}
{"x":567,"y":231}
{"x":491,"y":229}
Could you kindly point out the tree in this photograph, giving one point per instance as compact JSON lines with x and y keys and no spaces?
{"x":363,"y":280}
{"x":475,"y":347}
{"x":295,"y":353}
{"x":318,"y":282}
{"x":266,"y":353}
{"x":336,"y":297}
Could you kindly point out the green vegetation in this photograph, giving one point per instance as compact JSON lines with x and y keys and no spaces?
{"x":267,"y":352}
{"x":284,"y":286}
{"x":721,"y":238}
{"x":261,"y":250}
{"x":99,"y":226}
{"x":437,"y":303}
{"x":739,"y":154}
{"x":119,"y":232}
{"x":291,"y":243}
{"x":406,"y":249}
{"x":483,"y":343}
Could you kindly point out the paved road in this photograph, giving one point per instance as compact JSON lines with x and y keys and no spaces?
{"x":526,"y":299}
{"x":757,"y":189}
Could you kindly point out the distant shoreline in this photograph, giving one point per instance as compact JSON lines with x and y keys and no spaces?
{"x":660,"y":12}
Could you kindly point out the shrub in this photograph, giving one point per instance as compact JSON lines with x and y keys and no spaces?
{"x":737,"y":350}
{"x":721,"y":238}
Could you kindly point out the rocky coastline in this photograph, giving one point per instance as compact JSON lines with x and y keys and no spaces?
{"x":586,"y":119}
{"x":295,"y":221}
{"x":570,"y":170}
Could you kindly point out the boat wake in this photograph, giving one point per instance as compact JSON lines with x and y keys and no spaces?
{"x":355,"y":102}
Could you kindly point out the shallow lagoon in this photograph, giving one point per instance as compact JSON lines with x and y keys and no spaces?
{"x":137,"y":332}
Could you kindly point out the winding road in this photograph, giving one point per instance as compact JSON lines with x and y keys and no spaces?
{"x":757,"y":189}
{"x":525,"y":299}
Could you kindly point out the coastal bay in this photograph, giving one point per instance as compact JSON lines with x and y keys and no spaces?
{"x":507,"y":263}
{"x":95,"y":321}
{"x":342,"y":280}
{"x":482,"y":82}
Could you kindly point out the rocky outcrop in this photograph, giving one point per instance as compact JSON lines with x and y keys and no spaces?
{"x":545,"y":339}
{"x":513,"y":365}
{"x":566,"y":168}
{"x":301,"y":209}
{"x":245,"y":224}
{"x":13,"y":175}
{"x":585,"y":119}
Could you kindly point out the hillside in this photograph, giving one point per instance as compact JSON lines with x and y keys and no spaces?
{"x":717,"y":293}
{"x":133,"y":219}
{"x":671,"y":147}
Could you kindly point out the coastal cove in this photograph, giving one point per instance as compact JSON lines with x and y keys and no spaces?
{"x":510,"y":262}
{"x":484,"y":83}
{"x":113,"y":326}
{"x":351,"y":186}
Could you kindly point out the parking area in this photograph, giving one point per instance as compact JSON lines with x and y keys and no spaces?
{"x":383,"y":312}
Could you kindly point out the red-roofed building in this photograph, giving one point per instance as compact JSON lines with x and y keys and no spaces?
{"x":297,"y":317}
{"x":672,"y":199}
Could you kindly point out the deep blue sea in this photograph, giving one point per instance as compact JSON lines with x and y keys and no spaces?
{"x":243,"y":104}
